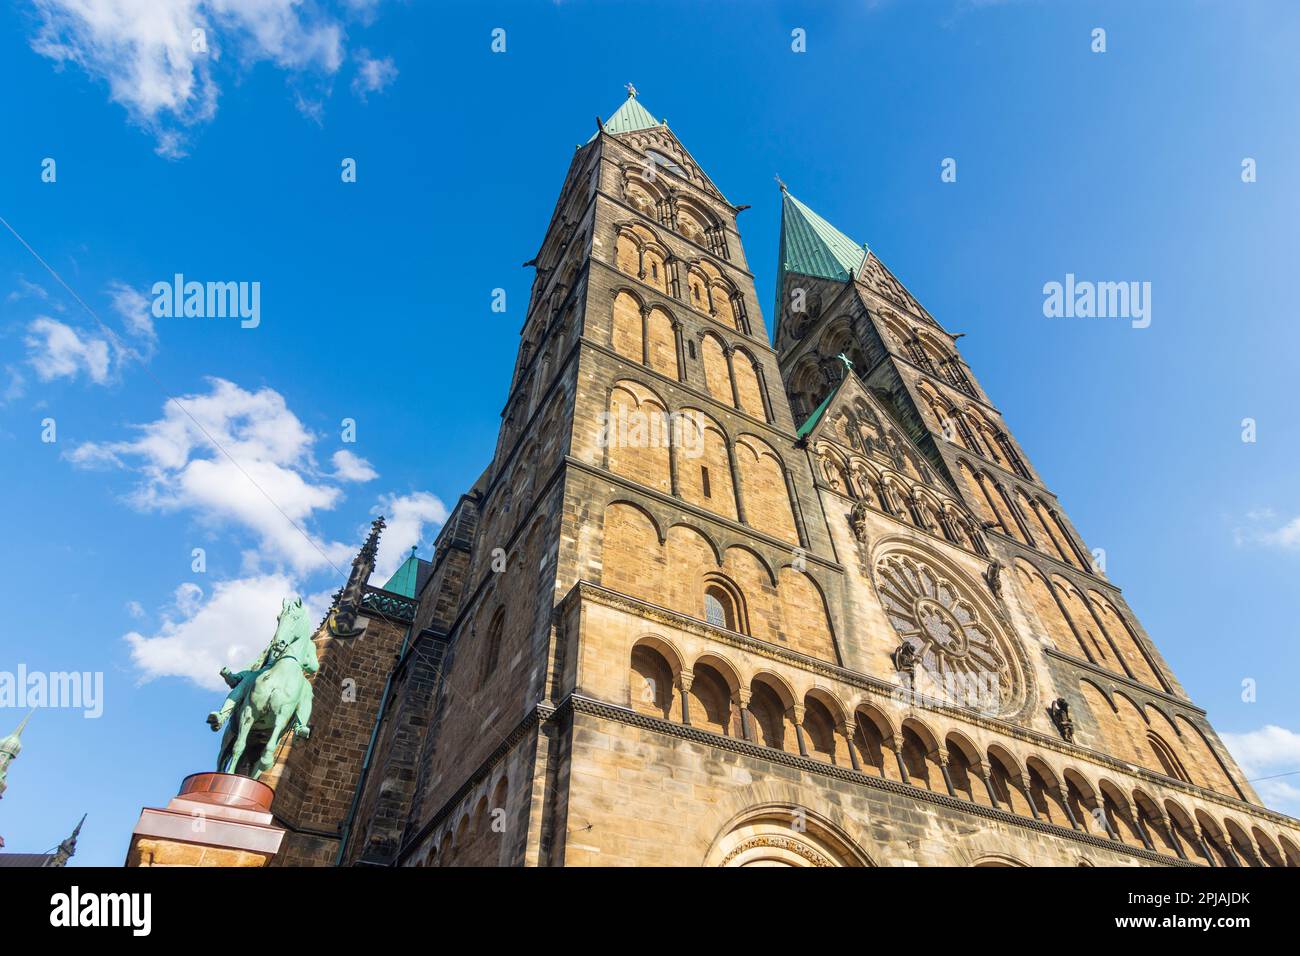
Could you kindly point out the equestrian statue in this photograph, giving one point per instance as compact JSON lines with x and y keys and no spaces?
{"x":270,"y":699}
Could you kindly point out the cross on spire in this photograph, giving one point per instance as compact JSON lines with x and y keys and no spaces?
{"x":848,"y":363}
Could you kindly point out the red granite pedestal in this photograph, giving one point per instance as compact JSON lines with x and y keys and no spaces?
{"x":217,"y":819}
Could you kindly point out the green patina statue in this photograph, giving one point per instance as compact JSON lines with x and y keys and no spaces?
{"x":270,"y":699}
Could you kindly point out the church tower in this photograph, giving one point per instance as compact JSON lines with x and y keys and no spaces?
{"x":719,"y":603}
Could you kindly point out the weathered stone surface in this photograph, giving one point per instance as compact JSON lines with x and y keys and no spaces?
{"x":681,"y":651}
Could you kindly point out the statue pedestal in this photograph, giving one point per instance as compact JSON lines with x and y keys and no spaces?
{"x":217,"y":819}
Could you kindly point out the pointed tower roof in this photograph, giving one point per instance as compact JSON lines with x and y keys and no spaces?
{"x":13,"y":744}
{"x":405,"y":578}
{"x":631,"y":115}
{"x":812,"y":246}
{"x":10,"y":748}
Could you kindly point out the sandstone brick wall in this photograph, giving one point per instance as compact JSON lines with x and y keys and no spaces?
{"x":585,"y":712}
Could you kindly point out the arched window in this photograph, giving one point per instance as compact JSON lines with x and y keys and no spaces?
{"x":718,"y":609}
{"x":722,"y":606}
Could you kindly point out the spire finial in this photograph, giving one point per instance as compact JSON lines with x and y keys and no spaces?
{"x":779,"y":182}
{"x":67,"y":848}
{"x":342,"y":619}
{"x":631,"y":91}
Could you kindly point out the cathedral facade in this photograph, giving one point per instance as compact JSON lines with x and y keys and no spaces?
{"x":722,"y":602}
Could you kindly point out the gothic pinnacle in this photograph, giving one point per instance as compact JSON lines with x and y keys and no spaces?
{"x":342,"y":621}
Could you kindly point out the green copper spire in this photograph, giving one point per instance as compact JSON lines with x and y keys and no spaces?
{"x":11,"y":747}
{"x":404,"y":579}
{"x":811,"y":245}
{"x":631,"y":115}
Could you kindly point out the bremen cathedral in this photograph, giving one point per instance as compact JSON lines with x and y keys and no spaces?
{"x":728,"y":598}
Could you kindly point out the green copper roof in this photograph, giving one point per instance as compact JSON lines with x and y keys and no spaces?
{"x":815,"y":417}
{"x":630,"y":116}
{"x":404,"y":578}
{"x":811,"y":245}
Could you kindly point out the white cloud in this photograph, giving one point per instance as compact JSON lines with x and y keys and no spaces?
{"x":135,"y":609}
{"x":136,"y":312}
{"x":363,"y":10}
{"x":1285,"y":536}
{"x":1265,"y":752}
{"x":373,"y":75}
{"x":272,"y":487}
{"x":410,"y":519}
{"x":350,"y":467}
{"x":57,"y":350}
{"x":197,"y":638}
{"x":28,"y":290}
{"x":144,"y":50}
{"x":16,"y":387}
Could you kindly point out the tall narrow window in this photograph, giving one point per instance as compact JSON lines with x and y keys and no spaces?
{"x":713,"y":611}
{"x":719,"y":608}
{"x":690,"y":346}
{"x":704,"y":482}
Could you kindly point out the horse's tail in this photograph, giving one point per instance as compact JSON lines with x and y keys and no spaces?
{"x":227,"y":748}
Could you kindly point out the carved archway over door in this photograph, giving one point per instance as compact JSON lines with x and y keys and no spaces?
{"x":783,"y":836}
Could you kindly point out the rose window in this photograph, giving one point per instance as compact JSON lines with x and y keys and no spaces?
{"x":960,"y":655}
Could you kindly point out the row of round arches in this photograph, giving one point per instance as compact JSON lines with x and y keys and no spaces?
{"x":640,"y":253}
{"x":686,"y":453}
{"x":709,"y":693}
{"x":650,"y":335}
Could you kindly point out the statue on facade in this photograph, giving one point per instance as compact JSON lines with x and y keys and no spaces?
{"x":993,"y":578}
{"x":270,"y":698}
{"x":1060,"y":714}
{"x":858,"y":519}
{"x":904,"y":658}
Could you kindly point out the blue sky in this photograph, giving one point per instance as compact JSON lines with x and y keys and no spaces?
{"x":375,"y":303}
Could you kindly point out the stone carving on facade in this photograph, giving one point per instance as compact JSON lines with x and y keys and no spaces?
{"x":993,"y":577}
{"x":858,"y":519}
{"x":904,"y":658}
{"x":779,"y":843}
{"x":1060,"y":714}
